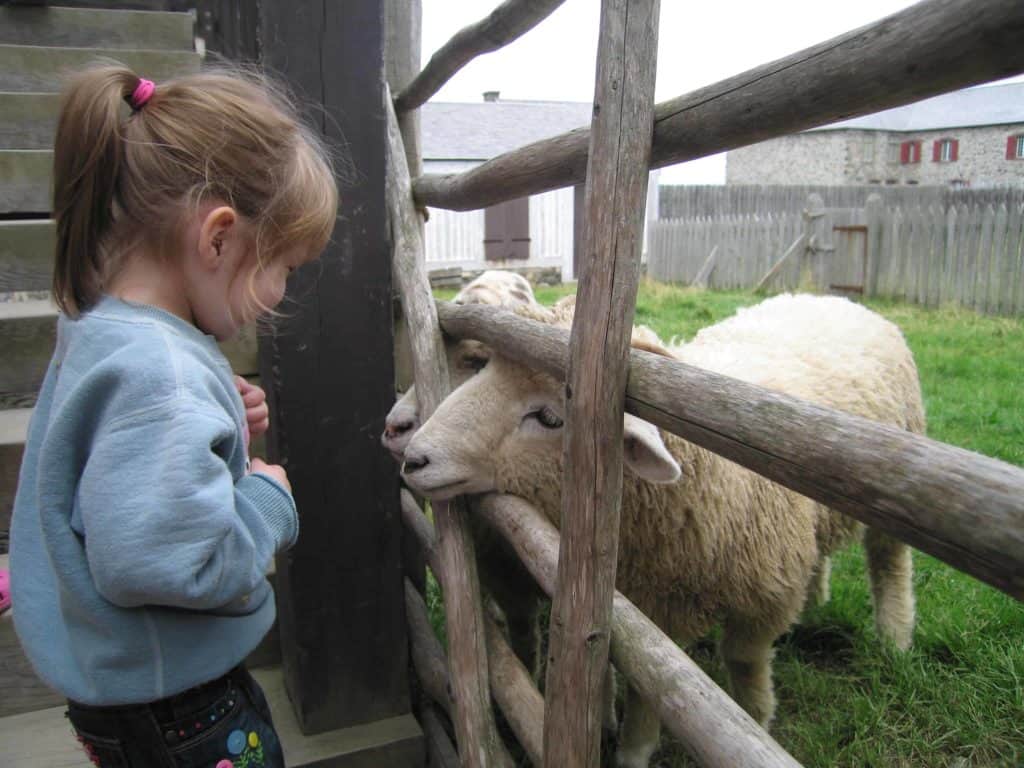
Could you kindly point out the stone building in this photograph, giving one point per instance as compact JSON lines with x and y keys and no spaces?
{"x":968,"y":138}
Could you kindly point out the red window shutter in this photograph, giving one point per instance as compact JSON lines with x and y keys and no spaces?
{"x":955,"y":150}
{"x":937,"y":151}
{"x":905,"y":152}
{"x":1011,"y":147}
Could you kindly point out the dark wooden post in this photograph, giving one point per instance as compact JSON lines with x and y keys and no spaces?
{"x":329,"y":372}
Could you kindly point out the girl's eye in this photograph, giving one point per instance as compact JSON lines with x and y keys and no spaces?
{"x":546,"y":417}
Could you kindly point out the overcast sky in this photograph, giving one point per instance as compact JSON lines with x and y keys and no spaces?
{"x":700,"y":42}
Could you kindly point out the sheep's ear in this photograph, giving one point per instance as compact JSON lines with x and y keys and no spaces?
{"x":644,"y":452}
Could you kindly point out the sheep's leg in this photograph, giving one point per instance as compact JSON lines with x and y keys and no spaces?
{"x":640,"y":732}
{"x":819,"y":590}
{"x":747,"y":651}
{"x":891,"y":571}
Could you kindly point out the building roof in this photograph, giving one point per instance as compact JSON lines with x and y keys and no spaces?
{"x":971,"y":107}
{"x":482,"y":130}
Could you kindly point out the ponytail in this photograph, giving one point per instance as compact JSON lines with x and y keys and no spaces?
{"x":87,"y":158}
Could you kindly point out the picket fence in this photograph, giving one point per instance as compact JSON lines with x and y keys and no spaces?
{"x":970,"y":255}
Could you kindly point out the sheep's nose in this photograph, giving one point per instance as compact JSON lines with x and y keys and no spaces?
{"x":414,"y":463}
{"x":396,"y":428}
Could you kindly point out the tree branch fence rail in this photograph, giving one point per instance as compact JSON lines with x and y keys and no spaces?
{"x":966,"y":509}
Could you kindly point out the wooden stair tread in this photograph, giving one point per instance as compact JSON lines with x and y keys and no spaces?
{"x":28,"y":120}
{"x":41,"y":69}
{"x":95,"y":28}
{"x":42,"y":739}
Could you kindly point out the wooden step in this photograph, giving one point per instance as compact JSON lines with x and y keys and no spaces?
{"x":28,"y":335}
{"x":95,"y":28}
{"x":43,"y":739}
{"x":25,"y":180}
{"x":28,"y":120}
{"x":13,"y":429}
{"x":26,"y":255}
{"x":40,"y":69}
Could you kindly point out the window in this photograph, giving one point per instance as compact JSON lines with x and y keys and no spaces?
{"x":892,"y":151}
{"x":945,"y":150}
{"x":910,"y":152}
{"x":1015,"y":147}
{"x":867,"y":149}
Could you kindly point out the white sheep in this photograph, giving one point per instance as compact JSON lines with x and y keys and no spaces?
{"x":702,"y":541}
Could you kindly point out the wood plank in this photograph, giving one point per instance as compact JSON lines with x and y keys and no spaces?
{"x":13,"y":429}
{"x":616,"y":193}
{"x":28,"y":120}
{"x":28,"y":333}
{"x":961,"y":507}
{"x":41,"y":739}
{"x":932,"y":47}
{"x":25,"y":180}
{"x":330,"y":383}
{"x":713,"y":727}
{"x":504,"y":24}
{"x":26,"y":254}
{"x":95,"y":28}
{"x":40,"y":69}
{"x":476,"y":734}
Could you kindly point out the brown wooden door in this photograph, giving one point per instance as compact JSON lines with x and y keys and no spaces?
{"x":507,"y":231}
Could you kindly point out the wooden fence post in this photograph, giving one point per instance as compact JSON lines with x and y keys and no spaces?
{"x":616,"y":190}
{"x":873,"y":211}
{"x":812,"y":269}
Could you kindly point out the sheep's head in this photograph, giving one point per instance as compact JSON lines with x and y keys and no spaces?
{"x":465,"y":359}
{"x":503,"y":431}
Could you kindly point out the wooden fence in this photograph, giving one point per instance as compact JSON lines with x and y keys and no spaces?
{"x":970,"y":255}
{"x":692,"y":201}
{"x":894,"y":480}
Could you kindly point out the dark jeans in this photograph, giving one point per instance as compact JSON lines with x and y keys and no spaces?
{"x":221,"y":724}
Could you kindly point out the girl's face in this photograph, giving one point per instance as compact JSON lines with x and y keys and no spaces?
{"x":226,"y":286}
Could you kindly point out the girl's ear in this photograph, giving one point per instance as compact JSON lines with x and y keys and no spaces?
{"x":218,"y":229}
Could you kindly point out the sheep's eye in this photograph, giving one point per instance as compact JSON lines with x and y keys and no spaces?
{"x":474,"y":362}
{"x":547,"y":418}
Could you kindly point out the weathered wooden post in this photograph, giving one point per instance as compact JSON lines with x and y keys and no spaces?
{"x":813,"y":271}
{"x":873,"y":211}
{"x":616,"y":188}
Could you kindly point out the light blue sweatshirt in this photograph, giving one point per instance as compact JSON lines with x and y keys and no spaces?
{"x":139,"y":546}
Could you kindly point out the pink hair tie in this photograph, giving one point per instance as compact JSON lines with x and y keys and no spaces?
{"x":143,"y":92}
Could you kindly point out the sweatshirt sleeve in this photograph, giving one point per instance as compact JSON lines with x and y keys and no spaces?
{"x":163,"y":520}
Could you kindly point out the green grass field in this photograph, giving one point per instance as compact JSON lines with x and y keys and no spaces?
{"x":957,"y":697}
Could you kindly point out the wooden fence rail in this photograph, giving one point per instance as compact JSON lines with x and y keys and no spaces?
{"x":964,"y":508}
{"x":930,"y":48}
{"x":503,"y":25}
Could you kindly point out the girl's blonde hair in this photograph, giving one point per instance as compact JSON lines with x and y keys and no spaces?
{"x":124,"y":177}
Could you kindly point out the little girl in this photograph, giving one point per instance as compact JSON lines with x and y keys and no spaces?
{"x":139,"y":542}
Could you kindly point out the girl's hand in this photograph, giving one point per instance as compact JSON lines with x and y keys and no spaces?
{"x":257,"y":414}
{"x":273,"y":471}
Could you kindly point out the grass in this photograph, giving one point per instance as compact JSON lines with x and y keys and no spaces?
{"x":956,"y":698}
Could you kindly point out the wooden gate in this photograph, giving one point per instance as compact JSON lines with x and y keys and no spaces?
{"x":848,"y":268}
